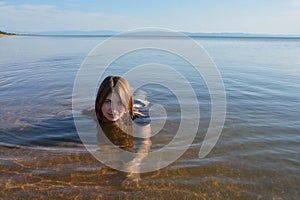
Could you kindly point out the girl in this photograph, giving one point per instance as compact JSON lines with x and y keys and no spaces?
{"x":115,"y":112}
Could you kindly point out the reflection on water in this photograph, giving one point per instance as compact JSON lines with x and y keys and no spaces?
{"x":256,"y":157}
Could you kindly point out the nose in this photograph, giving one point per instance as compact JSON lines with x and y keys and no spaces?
{"x":114,"y":108}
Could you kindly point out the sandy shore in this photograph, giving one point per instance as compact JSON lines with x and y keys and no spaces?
{"x":2,"y":35}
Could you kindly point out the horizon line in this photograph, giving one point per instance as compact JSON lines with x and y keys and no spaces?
{"x":109,"y":33}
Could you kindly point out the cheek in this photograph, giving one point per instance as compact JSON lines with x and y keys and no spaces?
{"x":104,"y":108}
{"x":123,"y":109}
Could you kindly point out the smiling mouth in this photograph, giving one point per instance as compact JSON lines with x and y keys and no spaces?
{"x":112,"y":115}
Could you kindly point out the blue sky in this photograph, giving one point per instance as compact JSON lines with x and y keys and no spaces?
{"x":247,"y":16}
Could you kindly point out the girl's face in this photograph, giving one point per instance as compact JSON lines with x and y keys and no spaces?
{"x":112,"y":107}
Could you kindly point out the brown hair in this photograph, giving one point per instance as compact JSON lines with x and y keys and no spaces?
{"x":118,"y":85}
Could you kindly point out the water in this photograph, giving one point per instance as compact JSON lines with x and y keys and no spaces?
{"x":256,"y":157}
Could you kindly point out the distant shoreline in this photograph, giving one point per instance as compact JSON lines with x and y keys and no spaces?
{"x":226,"y":36}
{"x":153,"y":33}
{"x":2,"y":34}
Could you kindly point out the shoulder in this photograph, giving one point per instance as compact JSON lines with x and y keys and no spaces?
{"x":141,"y":108}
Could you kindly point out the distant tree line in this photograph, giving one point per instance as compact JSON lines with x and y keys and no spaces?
{"x":2,"y":32}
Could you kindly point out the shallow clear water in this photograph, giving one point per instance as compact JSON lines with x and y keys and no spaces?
{"x":256,"y":157}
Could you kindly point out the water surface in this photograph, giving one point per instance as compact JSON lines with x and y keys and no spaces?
{"x":256,"y":157}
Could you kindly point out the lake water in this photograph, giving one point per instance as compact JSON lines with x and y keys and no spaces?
{"x":256,"y":156}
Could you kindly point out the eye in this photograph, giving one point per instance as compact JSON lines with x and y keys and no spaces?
{"x":108,"y":101}
{"x":120,"y":103}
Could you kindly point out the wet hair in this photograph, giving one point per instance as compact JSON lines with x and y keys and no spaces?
{"x":117,"y":85}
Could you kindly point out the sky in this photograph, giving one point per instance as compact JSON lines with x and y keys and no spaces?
{"x":207,"y":16}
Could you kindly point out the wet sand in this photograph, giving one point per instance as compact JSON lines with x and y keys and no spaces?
{"x":73,"y":173}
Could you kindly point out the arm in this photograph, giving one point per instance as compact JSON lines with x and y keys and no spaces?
{"x":142,"y":149}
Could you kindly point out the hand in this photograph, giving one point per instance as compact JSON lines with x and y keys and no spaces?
{"x":132,"y":181}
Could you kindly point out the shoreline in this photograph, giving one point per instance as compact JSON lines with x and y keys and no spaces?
{"x":3,"y":35}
